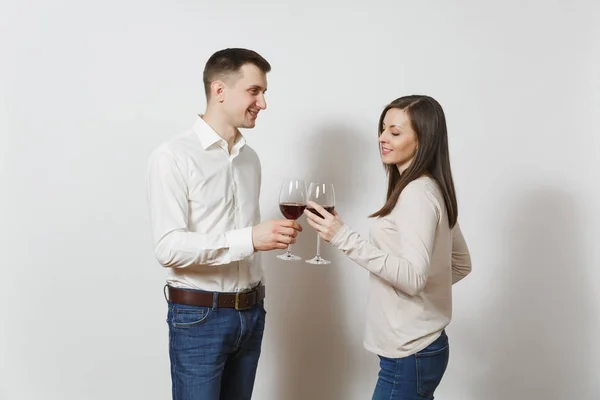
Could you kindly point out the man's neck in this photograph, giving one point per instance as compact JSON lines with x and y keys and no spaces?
{"x":216,"y":121}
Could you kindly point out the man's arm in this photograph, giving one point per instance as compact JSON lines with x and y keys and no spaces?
{"x":176,"y":247}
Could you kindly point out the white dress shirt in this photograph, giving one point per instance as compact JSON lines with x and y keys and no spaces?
{"x":203,"y":203}
{"x":413,"y":258}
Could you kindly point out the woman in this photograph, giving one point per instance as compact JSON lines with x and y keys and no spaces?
{"x":415,"y":254}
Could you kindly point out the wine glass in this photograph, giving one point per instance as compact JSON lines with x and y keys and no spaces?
{"x":292,"y":202}
{"x":324,"y":195}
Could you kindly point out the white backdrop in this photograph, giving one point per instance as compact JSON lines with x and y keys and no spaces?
{"x":88,"y":89}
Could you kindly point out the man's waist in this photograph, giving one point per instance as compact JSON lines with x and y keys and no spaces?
{"x":240,"y":300}
{"x":227,"y":278}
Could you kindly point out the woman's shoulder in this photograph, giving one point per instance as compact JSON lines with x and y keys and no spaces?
{"x":422,"y":185}
{"x":421,"y":192}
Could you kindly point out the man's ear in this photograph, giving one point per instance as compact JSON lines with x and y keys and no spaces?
{"x":217,"y":91}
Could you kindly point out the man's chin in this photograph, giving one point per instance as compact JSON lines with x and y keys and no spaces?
{"x":248,"y":124}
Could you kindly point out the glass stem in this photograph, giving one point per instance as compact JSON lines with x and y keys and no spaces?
{"x":318,"y":246}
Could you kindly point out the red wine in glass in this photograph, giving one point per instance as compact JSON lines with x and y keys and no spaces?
{"x":292,"y":202}
{"x":329,"y":209}
{"x":292,"y":210}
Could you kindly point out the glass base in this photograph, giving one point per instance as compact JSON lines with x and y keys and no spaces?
{"x":318,"y":260}
{"x":288,"y":257}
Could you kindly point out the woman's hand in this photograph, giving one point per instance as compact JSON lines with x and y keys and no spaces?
{"x":327,"y":226}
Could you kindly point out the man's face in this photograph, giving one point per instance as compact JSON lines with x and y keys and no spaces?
{"x":243,"y":96}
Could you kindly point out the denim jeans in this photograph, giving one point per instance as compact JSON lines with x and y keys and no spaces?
{"x":214,"y":352}
{"x":414,"y":377}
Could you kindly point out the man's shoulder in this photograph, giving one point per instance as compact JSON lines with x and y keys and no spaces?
{"x":249,"y":151}
{"x":178,"y":145}
{"x":250,"y":155}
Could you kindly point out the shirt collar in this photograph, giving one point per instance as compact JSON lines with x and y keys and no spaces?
{"x":209,"y":137}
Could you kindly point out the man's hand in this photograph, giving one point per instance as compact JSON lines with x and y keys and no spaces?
{"x":275,"y":234}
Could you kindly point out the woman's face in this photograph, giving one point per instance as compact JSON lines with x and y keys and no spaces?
{"x":398,"y":140}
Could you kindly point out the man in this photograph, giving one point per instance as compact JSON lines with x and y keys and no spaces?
{"x":203,"y":191}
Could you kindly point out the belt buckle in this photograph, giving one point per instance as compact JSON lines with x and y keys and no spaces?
{"x":237,"y":300}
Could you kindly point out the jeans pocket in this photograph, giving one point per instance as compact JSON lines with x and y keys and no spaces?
{"x":188,"y":316}
{"x":431,"y":364}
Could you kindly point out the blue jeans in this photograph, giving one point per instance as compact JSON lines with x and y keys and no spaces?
{"x":414,"y":377}
{"x":214,"y":352}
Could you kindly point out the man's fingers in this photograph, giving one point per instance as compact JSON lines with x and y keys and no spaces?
{"x":290,"y":223}
{"x":286,"y":239}
{"x":288,"y":231}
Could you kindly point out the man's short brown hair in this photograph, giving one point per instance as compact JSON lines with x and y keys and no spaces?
{"x":228,"y":62}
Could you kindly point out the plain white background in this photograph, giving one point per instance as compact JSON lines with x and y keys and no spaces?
{"x":88,"y":89}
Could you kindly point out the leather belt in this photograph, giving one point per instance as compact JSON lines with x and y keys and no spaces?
{"x":239,"y":301}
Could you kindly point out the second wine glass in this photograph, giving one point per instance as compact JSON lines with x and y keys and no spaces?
{"x":324,"y":195}
{"x":292,"y":202}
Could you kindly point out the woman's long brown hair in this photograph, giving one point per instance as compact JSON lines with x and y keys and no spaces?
{"x":433,"y":159}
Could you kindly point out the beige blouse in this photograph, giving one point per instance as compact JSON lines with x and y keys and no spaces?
{"x":413,"y":258}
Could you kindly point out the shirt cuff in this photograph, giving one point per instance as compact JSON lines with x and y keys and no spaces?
{"x":240,"y":243}
{"x":341,"y":236}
